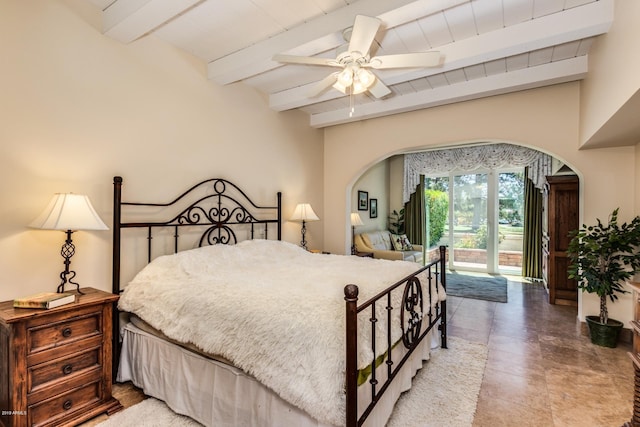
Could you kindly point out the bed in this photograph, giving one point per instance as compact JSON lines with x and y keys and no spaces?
{"x":236,"y":327}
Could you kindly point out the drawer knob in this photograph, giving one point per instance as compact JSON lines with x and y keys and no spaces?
{"x":67,"y":369}
{"x":67,"y":405}
{"x":66,"y":332}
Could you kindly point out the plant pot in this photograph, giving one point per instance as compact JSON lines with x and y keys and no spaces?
{"x":605,"y":335}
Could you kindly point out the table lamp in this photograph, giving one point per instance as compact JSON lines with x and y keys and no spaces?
{"x":304,"y":213}
{"x":68,"y":212}
{"x":355,"y":221}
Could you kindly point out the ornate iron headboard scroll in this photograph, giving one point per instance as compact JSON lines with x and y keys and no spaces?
{"x":220,"y":208}
{"x":219,"y":211}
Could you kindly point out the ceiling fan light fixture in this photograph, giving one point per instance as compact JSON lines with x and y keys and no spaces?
{"x":339,"y":86}
{"x":362,"y":80}
{"x":345,"y":78}
{"x":366,"y":77}
{"x":354,"y":60}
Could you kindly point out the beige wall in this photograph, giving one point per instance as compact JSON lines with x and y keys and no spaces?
{"x":545,"y":119}
{"x":614,"y":71}
{"x":375,"y":182}
{"x":78,"y":108}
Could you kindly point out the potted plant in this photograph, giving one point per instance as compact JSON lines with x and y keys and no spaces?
{"x":602,"y":257}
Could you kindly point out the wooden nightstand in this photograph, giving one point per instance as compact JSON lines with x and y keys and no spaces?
{"x":55,"y":365}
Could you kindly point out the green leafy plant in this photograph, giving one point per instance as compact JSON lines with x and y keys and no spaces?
{"x":603,"y":256}
{"x":438,"y":203}
{"x":478,"y":240}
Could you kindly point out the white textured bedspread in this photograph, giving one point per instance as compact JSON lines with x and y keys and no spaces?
{"x":273,"y":309}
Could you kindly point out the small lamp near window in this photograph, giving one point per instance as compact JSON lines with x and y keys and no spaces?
{"x":304,"y":213}
{"x":68,"y":212}
{"x":355,"y":221}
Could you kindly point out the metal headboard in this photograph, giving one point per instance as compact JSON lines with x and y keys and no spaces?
{"x":222,"y":209}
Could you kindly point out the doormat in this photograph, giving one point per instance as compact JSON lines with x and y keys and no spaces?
{"x":488,"y":288}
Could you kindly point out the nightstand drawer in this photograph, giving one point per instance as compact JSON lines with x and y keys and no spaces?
{"x":63,"y":332}
{"x":55,"y":364}
{"x":47,"y":374}
{"x":64,"y":405}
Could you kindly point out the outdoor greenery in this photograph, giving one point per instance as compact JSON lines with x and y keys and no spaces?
{"x":603,"y":256}
{"x":438,"y":203}
{"x":511,"y":196}
{"x":470,"y":226}
{"x":478,"y":240}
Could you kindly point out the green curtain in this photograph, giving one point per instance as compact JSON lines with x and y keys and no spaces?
{"x":532,"y":234}
{"x":415,"y":218}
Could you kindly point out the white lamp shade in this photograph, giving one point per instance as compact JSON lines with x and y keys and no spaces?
{"x":304,"y":212}
{"x":68,"y":211}
{"x":355,"y":219}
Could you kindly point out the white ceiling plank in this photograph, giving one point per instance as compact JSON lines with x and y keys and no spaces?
{"x":330,"y":5}
{"x":420,"y":84}
{"x":552,"y":73}
{"x":565,"y":50}
{"x":256,"y":58}
{"x":474,"y":72}
{"x":411,"y":36}
{"x":461,"y":22}
{"x":585,"y":45}
{"x":403,"y":89}
{"x":568,"y":4}
{"x":535,"y":34}
{"x":127,"y":20}
{"x":436,"y":30}
{"x":219,"y":27}
{"x":286,"y":77}
{"x":289,"y":13}
{"x":540,"y":56}
{"x":438,"y":80}
{"x":517,"y":11}
{"x":417,"y":9}
{"x":390,"y":42}
{"x":488,"y":15}
{"x":517,"y":62}
{"x":495,"y":67}
{"x":546,"y":7}
{"x":455,"y":76}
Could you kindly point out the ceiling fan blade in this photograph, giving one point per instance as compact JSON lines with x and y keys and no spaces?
{"x":406,"y":60}
{"x":323,"y":85}
{"x":305,"y":60}
{"x":379,"y":89}
{"x":363,"y":33}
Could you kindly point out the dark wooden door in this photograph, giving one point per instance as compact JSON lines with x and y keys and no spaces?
{"x":563,"y":218}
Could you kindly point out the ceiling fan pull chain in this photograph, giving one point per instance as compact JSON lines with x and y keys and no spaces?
{"x":352,"y":107}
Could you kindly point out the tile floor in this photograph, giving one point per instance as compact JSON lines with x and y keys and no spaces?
{"x":541,"y":371}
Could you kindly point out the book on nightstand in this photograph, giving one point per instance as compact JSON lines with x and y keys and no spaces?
{"x":44,"y":300}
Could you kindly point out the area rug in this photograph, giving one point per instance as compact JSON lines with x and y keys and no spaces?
{"x":486,"y":287}
{"x":444,"y":393}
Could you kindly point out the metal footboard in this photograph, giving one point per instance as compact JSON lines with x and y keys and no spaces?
{"x":420,"y":312}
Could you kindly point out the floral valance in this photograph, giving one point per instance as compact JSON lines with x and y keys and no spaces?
{"x":489,"y":156}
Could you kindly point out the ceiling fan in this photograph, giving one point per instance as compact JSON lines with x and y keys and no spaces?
{"x":355,"y":60}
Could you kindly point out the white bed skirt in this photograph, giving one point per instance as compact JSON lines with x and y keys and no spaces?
{"x":217,"y":394}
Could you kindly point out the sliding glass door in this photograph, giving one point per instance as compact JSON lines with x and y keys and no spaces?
{"x":510,"y":220}
{"x":482,"y":225}
{"x":469,"y":221}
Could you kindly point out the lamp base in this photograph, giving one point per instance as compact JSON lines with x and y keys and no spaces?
{"x":67,"y":276}
{"x":303,"y":231}
{"x":353,"y":240}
